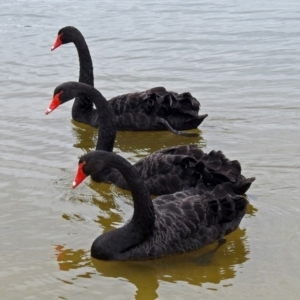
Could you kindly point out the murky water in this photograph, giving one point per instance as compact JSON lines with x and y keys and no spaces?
{"x":240,"y":59}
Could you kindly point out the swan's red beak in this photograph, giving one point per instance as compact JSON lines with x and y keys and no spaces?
{"x":55,"y":103}
{"x":57,"y":43}
{"x":80,"y":176}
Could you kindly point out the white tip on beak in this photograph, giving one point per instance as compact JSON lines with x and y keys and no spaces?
{"x":52,"y":48}
{"x":74,"y":183}
{"x":48,"y":111}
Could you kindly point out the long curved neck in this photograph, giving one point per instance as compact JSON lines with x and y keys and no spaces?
{"x":143,"y":217}
{"x":86,"y":75}
{"x":107,"y":129}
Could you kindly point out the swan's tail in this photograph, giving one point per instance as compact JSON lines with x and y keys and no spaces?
{"x":221,"y":190}
{"x":215,"y":168}
{"x":241,"y":186}
{"x":173,"y":112}
{"x":180,"y":110}
{"x":225,"y":210}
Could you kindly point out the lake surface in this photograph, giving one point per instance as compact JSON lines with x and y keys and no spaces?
{"x":240,"y":59}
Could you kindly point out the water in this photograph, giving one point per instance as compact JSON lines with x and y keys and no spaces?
{"x":241,"y":60}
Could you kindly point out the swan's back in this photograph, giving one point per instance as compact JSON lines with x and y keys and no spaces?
{"x":182,"y":167}
{"x":144,"y":110}
{"x":187,"y":221}
{"x":154,"y":109}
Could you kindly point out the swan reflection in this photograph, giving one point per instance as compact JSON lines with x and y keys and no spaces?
{"x":206,"y":265}
{"x":134,"y":144}
{"x":196,"y":268}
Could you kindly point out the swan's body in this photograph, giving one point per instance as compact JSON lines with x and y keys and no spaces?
{"x":154,"y":109}
{"x":179,"y":168}
{"x":171,"y":224}
{"x":165,"y":171}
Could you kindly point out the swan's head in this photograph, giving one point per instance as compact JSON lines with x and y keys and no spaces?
{"x":91,"y":163}
{"x":54,"y":103}
{"x":65,"y":35}
{"x":63,"y":93}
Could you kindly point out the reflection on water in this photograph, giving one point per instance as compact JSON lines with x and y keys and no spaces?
{"x":195,"y":268}
{"x":240,"y":59}
{"x":69,"y":259}
{"x":85,"y":136}
{"x":114,"y":205}
{"x":251,"y":210}
{"x":207,"y":265}
{"x":130,"y":143}
{"x":109,"y":202}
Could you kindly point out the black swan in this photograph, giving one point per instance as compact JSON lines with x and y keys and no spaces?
{"x":165,"y":171}
{"x":171,"y":224}
{"x":154,"y":109}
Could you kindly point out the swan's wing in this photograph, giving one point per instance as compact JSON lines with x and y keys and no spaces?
{"x":144,"y":110}
{"x":186,"y":221}
{"x":182,"y":167}
{"x":155,"y":101}
{"x":166,"y":174}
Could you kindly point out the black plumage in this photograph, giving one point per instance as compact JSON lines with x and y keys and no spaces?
{"x":165,"y":171}
{"x":154,"y":109}
{"x":171,"y":224}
